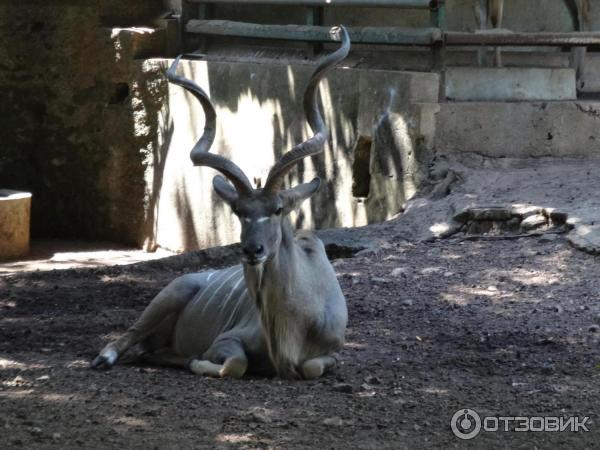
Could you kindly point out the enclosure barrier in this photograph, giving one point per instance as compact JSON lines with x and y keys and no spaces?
{"x":408,"y":4}
{"x":573,"y":39}
{"x":362,"y":35}
{"x":198,"y":18}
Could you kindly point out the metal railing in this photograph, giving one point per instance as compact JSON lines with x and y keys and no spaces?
{"x":408,"y":4}
{"x":312,"y":33}
{"x":198,"y":18}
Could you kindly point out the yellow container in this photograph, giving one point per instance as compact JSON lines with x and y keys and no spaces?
{"x":15,"y":217}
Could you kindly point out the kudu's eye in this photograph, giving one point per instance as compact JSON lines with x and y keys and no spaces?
{"x":279,"y":211}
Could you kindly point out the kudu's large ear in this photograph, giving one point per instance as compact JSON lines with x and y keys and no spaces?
{"x":225,"y":190}
{"x":293,"y":198}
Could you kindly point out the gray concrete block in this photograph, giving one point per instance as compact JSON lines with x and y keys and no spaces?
{"x":504,"y":83}
{"x":567,"y":129}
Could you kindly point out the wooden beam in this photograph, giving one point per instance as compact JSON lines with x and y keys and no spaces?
{"x":407,"y":4}
{"x":523,"y":39}
{"x":306,"y":33}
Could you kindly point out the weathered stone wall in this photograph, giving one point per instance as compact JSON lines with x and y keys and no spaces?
{"x":67,"y":124}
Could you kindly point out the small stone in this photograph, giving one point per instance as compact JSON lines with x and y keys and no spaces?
{"x":395,"y":258}
{"x":259,"y":415}
{"x":524,"y":211}
{"x":594,"y":328}
{"x":371,"y":379}
{"x":399,"y":272}
{"x":559,"y":217}
{"x":56,"y":436}
{"x":380,"y":280}
{"x":492,"y":288}
{"x":36,"y":431}
{"x":343,"y":387}
{"x":407,"y":302}
{"x":448,"y":274}
{"x":333,"y":422}
{"x":533,"y":222}
{"x":586,"y":238}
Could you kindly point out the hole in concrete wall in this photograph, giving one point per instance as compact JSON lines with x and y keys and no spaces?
{"x":120,"y":94}
{"x":361,"y":167}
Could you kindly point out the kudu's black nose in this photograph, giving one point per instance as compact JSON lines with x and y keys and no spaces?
{"x":253,"y":250}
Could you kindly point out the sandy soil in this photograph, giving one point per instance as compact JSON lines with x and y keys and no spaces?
{"x":69,"y":254}
{"x":504,"y":327}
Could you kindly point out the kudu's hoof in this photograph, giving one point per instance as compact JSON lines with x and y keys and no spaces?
{"x":101,"y":362}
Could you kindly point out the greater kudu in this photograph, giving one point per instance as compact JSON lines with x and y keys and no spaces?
{"x":282,"y":310}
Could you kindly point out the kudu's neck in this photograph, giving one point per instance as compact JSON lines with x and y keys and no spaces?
{"x":271,"y":286}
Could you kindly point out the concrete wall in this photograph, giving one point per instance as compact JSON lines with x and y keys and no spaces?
{"x":259,"y":118}
{"x":518,"y":130}
{"x":102,"y":141}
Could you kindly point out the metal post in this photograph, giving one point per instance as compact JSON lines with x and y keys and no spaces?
{"x":314,"y":17}
{"x":437,"y":14}
{"x":188,"y":12}
{"x":583,"y":14}
{"x":206,"y":11}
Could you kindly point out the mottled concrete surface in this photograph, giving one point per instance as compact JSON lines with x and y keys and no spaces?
{"x":509,"y":84}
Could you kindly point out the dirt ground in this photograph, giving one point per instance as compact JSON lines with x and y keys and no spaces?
{"x":504,"y":327}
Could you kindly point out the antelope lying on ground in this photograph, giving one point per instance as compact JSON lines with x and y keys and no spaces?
{"x":282,"y":310}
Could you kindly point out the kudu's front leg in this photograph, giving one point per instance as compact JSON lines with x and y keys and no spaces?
{"x":315,"y":367}
{"x":161,"y":311}
{"x":225,"y":358}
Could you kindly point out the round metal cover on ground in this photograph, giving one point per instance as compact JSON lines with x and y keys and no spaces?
{"x":15,"y":212}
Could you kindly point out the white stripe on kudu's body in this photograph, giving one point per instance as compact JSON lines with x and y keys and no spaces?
{"x":281,"y":312}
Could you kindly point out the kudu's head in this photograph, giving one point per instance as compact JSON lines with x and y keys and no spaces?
{"x":261,"y":210}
